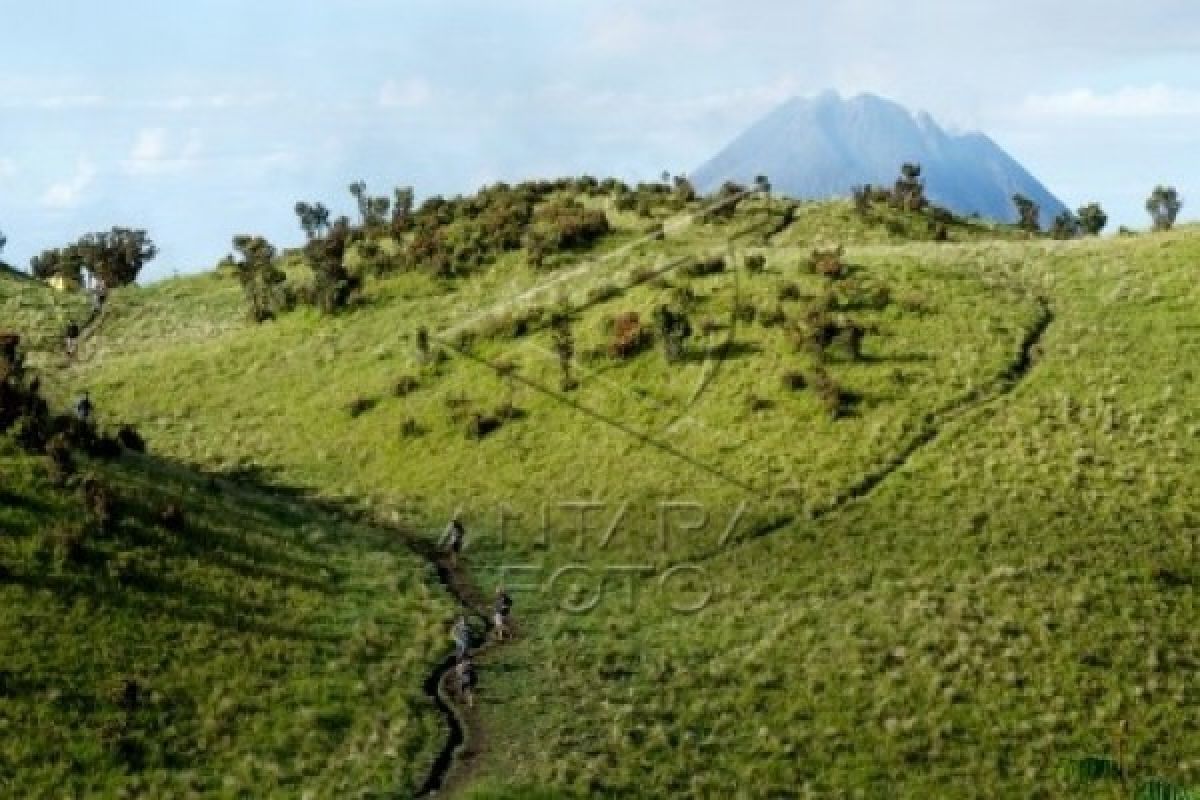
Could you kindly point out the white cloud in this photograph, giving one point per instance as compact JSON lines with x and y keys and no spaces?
{"x":69,"y":193}
{"x":152,"y":153}
{"x":8,"y":168}
{"x":1157,"y":100}
{"x":410,"y":93}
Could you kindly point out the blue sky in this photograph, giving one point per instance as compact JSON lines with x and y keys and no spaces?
{"x":206,"y":119}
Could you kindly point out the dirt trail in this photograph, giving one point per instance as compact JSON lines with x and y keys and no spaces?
{"x":457,"y":760}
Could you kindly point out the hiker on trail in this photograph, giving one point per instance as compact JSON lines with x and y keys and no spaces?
{"x":452,"y":540}
{"x":72,"y":339}
{"x":83,"y":408}
{"x":462,"y":637}
{"x":501,"y":611}
{"x":99,"y":295}
{"x":464,"y":675}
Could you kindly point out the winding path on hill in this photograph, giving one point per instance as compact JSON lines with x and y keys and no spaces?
{"x":933,"y":426}
{"x":455,"y":762}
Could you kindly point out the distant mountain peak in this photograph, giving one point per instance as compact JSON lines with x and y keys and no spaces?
{"x":823,"y":146}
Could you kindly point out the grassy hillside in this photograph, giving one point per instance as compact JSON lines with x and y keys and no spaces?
{"x":978,"y":575}
{"x":210,"y":640}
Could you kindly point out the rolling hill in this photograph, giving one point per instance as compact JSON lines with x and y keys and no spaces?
{"x":949,"y":555}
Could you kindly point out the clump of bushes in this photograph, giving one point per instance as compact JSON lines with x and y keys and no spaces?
{"x":563,"y":225}
{"x":411,"y":428}
{"x":27,"y":416}
{"x":756,"y":262}
{"x":263,"y":282}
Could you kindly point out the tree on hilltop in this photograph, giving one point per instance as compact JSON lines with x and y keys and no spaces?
{"x":1092,"y":218}
{"x":314,"y":218}
{"x":909,"y":191}
{"x":1164,"y":205}
{"x":262,"y":281}
{"x":1027,"y":213}
{"x":1065,"y":226}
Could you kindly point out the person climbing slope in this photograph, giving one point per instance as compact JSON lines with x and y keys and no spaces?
{"x":71,"y":339}
{"x":452,"y":539}
{"x":464,"y":675}
{"x":84,"y":408}
{"x":461,"y":635}
{"x":501,"y":614}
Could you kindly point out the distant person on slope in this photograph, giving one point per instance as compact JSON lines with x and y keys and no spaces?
{"x":461,"y":635}
{"x":464,"y":674}
{"x":71,"y":339}
{"x":84,"y":408}
{"x":501,"y":614}
{"x":99,"y":295}
{"x":453,"y":538}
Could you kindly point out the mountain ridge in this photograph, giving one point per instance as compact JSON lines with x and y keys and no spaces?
{"x":823,"y":146}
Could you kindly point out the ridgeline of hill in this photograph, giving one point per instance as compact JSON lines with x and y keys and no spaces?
{"x":912,"y":519}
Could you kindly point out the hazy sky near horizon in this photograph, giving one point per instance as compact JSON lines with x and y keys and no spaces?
{"x":206,"y":119}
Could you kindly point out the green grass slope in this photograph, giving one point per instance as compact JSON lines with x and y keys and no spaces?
{"x":978,"y":577}
{"x":257,"y":648}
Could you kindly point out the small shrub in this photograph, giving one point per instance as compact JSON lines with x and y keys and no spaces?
{"x":755,"y":402}
{"x":506,"y":412}
{"x":675,"y":329}
{"x":702,"y":267}
{"x":831,"y":396}
{"x":480,"y":425}
{"x":789,"y":292}
{"x":629,"y":336}
{"x":411,"y":429}
{"x":828,"y":262}
{"x":756,"y":262}
{"x":772,"y":318}
{"x":405,"y":385}
{"x":685,"y":297}
{"x":745,"y":312}
{"x":794,"y":380}
{"x":361,"y":405}
{"x":456,"y":404}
